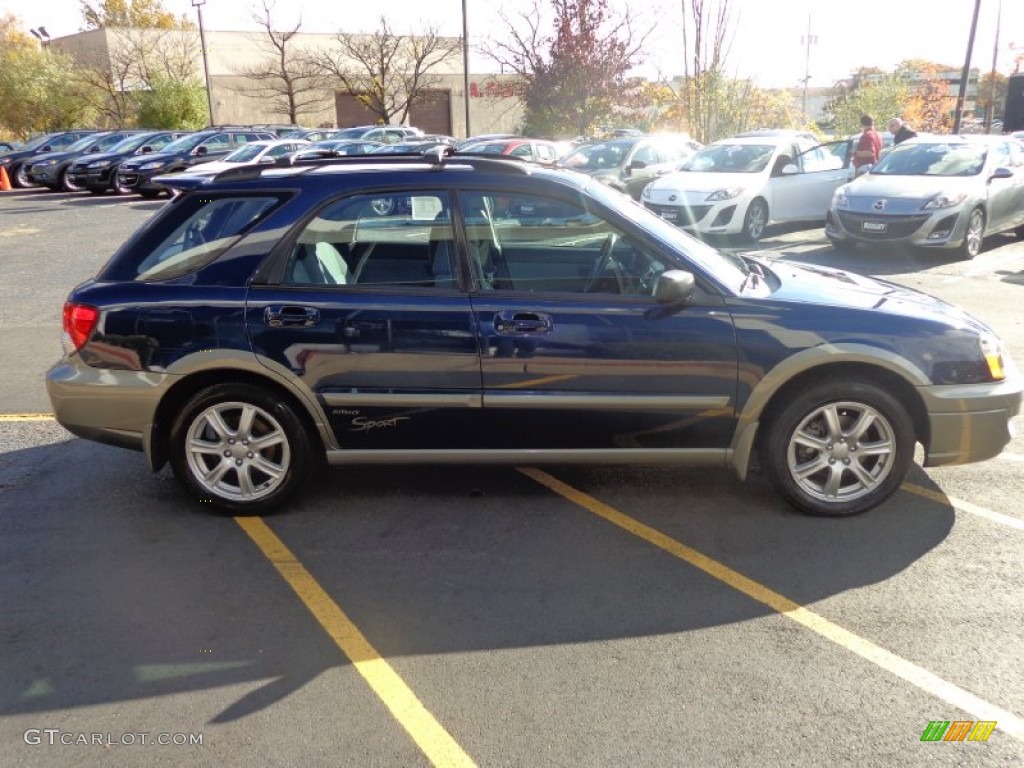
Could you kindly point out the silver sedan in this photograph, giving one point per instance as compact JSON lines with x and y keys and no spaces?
{"x":934,"y":192}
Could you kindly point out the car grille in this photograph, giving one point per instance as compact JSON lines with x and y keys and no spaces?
{"x":896,"y":227}
{"x":128,"y":179}
{"x":680,"y":215}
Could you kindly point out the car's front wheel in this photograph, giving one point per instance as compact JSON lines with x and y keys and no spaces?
{"x":974,"y":236}
{"x":240,"y":449}
{"x":756,"y":220}
{"x":20,"y":178}
{"x":838,"y":449}
{"x":67,"y":183}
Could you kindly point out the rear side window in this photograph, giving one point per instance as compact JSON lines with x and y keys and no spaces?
{"x":191,"y":235}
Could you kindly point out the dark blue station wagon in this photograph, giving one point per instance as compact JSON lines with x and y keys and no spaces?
{"x":467,"y":310}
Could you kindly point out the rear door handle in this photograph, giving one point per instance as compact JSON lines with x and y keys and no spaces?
{"x":511,"y":322}
{"x":279,"y":316}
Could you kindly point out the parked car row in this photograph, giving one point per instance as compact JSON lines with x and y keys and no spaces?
{"x":936,"y":192}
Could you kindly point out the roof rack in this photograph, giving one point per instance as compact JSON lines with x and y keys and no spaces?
{"x":437,"y":158}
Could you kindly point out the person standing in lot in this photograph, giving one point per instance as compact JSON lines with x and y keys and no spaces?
{"x":900,"y":131}
{"x":869,"y":145}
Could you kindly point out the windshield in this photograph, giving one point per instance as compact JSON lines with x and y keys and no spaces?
{"x":728,"y":269}
{"x":351,"y":133}
{"x":948,"y":159}
{"x":730,"y":158}
{"x":595,"y":157}
{"x":243,"y":154}
{"x":185,"y":143}
{"x":83,"y":143}
{"x":131,"y":143}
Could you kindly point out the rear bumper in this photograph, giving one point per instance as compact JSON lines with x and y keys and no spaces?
{"x":104,"y":405}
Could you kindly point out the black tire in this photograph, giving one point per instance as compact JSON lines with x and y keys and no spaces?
{"x":755,"y":221}
{"x":974,"y":236}
{"x":149,"y":194}
{"x":220,"y":467}
{"x":19,"y":178}
{"x":843,"y":246}
{"x":788,"y":461}
{"x":119,"y":188}
{"x":66,"y":183}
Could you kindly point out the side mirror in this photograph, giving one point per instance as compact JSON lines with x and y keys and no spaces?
{"x":636,"y":165}
{"x":200,"y":151}
{"x":145,"y":150}
{"x":267,"y":160}
{"x":93,"y":149}
{"x":47,"y":148}
{"x":1002,"y":172}
{"x":790,"y":169}
{"x":675,"y":286}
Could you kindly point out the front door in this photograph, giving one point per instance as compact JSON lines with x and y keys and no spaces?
{"x":370,"y":316}
{"x":574,"y":354}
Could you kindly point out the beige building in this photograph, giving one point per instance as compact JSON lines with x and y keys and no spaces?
{"x":492,"y":107}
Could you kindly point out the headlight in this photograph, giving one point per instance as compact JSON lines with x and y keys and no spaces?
{"x":100,"y":164}
{"x":942,"y":200}
{"x":723,"y":194}
{"x":839,"y":198}
{"x":4,"y":160}
{"x":152,"y":166}
{"x":993,"y":352}
{"x":44,"y":163}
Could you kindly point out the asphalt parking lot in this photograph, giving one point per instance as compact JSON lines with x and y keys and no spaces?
{"x":510,"y":616}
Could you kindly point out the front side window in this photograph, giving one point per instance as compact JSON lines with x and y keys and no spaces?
{"x":205,"y":228}
{"x":530,"y":243}
{"x":383,"y":240}
{"x":219,"y":143}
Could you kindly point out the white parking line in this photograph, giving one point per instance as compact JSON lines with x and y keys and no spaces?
{"x":1011,"y":456}
{"x":966,"y":506}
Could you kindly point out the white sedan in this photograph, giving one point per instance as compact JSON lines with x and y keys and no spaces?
{"x":253,"y":153}
{"x":741,"y":185}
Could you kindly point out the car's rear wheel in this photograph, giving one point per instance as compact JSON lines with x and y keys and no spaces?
{"x":838,"y":449}
{"x":240,"y":449}
{"x":974,"y":236}
{"x":755,"y":221}
{"x":67,"y":183}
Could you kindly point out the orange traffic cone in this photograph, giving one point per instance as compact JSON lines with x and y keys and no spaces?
{"x":5,"y":182}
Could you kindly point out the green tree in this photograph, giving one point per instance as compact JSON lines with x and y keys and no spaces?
{"x":881,"y":97}
{"x":141,"y":14}
{"x":171,"y":103}
{"x":37,"y":89}
{"x":575,"y":77}
{"x":707,"y":91}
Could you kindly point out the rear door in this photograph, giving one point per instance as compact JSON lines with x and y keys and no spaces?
{"x":574,"y":355}
{"x":368,"y":313}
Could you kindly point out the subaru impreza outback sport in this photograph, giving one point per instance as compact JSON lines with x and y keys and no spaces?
{"x":446,"y":309}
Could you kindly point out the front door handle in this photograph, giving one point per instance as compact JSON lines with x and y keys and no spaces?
{"x":513,"y":322}
{"x":279,"y":316}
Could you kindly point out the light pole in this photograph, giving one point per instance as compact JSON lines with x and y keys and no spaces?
{"x":42,"y":36}
{"x":465,"y":64}
{"x":198,"y":5}
{"x":966,"y":73}
{"x":808,"y":42}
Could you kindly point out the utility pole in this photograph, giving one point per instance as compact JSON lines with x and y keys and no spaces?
{"x":807,"y":41}
{"x":990,"y":113}
{"x":465,"y":64}
{"x":966,"y":73}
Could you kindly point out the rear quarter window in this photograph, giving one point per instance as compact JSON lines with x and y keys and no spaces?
{"x":188,"y":236}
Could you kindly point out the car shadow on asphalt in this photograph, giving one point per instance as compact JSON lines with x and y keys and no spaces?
{"x":119,"y":587}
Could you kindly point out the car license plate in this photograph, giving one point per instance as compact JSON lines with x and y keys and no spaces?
{"x":873,"y":226}
{"x":669,"y":215}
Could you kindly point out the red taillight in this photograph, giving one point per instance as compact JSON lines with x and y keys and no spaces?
{"x":79,"y":321}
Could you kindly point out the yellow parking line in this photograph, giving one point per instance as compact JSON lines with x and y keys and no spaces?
{"x":907,"y":670}
{"x":26,"y":417}
{"x":431,"y":737}
{"x":966,"y":506}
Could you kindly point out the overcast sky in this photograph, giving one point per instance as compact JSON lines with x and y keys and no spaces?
{"x":768,"y":34}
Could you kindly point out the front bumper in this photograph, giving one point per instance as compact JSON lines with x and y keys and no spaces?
{"x":926,"y":229}
{"x":44,"y":175}
{"x":970,"y":422}
{"x":93,"y":178}
{"x":140,"y":180}
{"x":724,"y":217}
